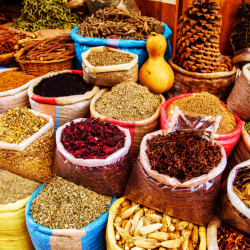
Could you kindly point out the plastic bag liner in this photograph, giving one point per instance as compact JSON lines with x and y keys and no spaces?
{"x":104,"y":176}
{"x":62,"y":109}
{"x":232,"y":210}
{"x":220,"y":83}
{"x":227,"y":140}
{"x":12,"y":98}
{"x":238,"y":102}
{"x":109,"y":75}
{"x":240,"y":153}
{"x":137,"y":47}
{"x":33,"y":157}
{"x":137,"y":129}
{"x":14,"y":234}
{"x":193,"y":200}
{"x":212,"y":243}
{"x":90,"y":237}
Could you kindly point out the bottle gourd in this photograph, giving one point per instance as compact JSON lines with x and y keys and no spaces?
{"x":156,"y":73}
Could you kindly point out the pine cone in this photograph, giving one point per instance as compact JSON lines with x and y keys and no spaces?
{"x":197,"y":41}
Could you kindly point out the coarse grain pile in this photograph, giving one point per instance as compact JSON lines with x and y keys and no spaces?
{"x":13,"y":79}
{"x":247,"y":127}
{"x":128,"y":102}
{"x":139,"y":227}
{"x":197,"y":41}
{"x":119,"y":24}
{"x":14,"y":187}
{"x":67,"y":205}
{"x":205,"y":104}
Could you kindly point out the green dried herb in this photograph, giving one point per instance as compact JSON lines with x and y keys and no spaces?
{"x":247,"y":127}
{"x":14,"y":187}
{"x":240,"y":36}
{"x":19,"y":124}
{"x":45,"y":14}
{"x":98,"y":59}
{"x":205,"y":104}
{"x":62,"y":204}
{"x":128,"y":102}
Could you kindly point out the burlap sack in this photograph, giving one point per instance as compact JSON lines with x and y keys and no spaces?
{"x":138,"y":129}
{"x":219,"y":84}
{"x":232,"y":210}
{"x":15,"y":97}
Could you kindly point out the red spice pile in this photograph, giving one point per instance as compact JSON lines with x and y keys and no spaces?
{"x":92,"y":139}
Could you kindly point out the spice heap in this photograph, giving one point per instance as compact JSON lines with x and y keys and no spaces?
{"x":119,"y":24}
{"x":197,"y":38}
{"x":13,"y":79}
{"x":45,"y":14}
{"x":66,"y":205}
{"x":99,"y":59}
{"x":128,"y":102}
{"x":48,"y":49}
{"x":205,"y":104}
{"x":92,"y":139}
{"x":137,"y":225}
{"x":241,"y":32}
{"x":19,"y":124}
{"x":14,"y":187}
{"x":242,"y":185}
{"x":182,"y":154}
{"x":229,"y":238}
{"x":9,"y":40}
{"x":247,"y":127}
{"x":65,"y":84}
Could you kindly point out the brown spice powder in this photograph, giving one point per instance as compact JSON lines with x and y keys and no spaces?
{"x":13,"y":79}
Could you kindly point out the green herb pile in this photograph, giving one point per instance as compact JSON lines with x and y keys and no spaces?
{"x":247,"y":127}
{"x":45,"y":14}
{"x":240,"y":36}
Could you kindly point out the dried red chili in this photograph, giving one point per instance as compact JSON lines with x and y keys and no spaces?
{"x":229,"y":238}
{"x":92,"y":139}
{"x":182,"y":154}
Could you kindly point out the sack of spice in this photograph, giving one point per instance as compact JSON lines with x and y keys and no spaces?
{"x":238,"y":101}
{"x":104,"y":66}
{"x":133,"y":225}
{"x":14,"y":86}
{"x":94,"y":154}
{"x":222,"y":236}
{"x":205,"y":104}
{"x":179,"y":174}
{"x":128,"y":32}
{"x":219,"y":83}
{"x":72,"y":217}
{"x":130,"y":106}
{"x":64,"y":95}
{"x":15,"y":193}
{"x":241,"y":151}
{"x":234,"y":202}
{"x":27,"y":143}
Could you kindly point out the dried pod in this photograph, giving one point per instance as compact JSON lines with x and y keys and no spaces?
{"x":124,"y":234}
{"x":150,"y":228}
{"x":171,"y":243}
{"x":147,"y":243}
{"x":125,"y":203}
{"x":136,"y":219}
{"x":150,"y":211}
{"x":195,"y":236}
{"x":154,"y":218}
{"x":181,"y":225}
{"x":128,"y":226}
{"x":138,"y":227}
{"x":161,"y":236}
{"x":129,"y":212}
{"x":171,"y":228}
{"x":203,"y":238}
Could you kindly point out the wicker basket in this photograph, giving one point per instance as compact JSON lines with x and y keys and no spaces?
{"x":39,"y":68}
{"x":7,"y":59}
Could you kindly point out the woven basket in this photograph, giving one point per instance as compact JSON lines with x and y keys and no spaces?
{"x":7,"y":59}
{"x":39,"y":68}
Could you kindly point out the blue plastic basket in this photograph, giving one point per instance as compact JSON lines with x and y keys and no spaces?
{"x":137,"y":47}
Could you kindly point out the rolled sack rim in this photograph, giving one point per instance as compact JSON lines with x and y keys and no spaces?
{"x":142,"y":123}
{"x":246,"y":71}
{"x":198,"y":75}
{"x":225,"y":136}
{"x":93,"y":162}
{"x":234,"y":199}
{"x":171,"y":181}
{"x":241,"y":55}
